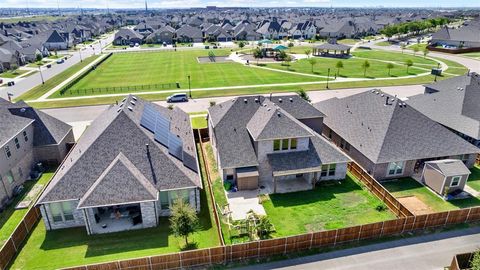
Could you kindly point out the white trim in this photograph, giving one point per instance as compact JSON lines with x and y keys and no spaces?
{"x":458,"y":184}
{"x":396,"y":174}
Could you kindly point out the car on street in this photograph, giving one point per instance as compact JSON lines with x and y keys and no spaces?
{"x":60,"y":61}
{"x":180,"y":97}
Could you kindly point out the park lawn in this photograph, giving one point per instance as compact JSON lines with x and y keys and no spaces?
{"x":71,"y":247}
{"x":199,"y":122}
{"x":409,"y":187}
{"x":394,"y":56}
{"x":352,"y":68}
{"x":474,"y":178}
{"x":41,"y":89}
{"x":329,"y":206}
{"x":10,"y":218}
{"x":475,"y":55}
{"x":37,"y":64}
{"x":13,"y":74}
{"x":453,"y":67}
{"x":348,"y":41}
{"x":419,"y":46}
{"x":131,"y":69}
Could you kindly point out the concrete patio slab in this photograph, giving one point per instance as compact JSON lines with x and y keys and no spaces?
{"x":241,"y":202}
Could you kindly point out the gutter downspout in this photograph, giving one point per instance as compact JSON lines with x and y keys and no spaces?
{"x":46,"y":214}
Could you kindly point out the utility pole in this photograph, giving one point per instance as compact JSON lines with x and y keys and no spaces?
{"x":189,"y":87}
{"x":41,"y":75}
{"x":328,"y":76}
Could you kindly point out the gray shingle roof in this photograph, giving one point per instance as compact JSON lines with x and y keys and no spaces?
{"x":116,"y":131}
{"x":10,"y":125}
{"x":450,"y":167}
{"x":455,"y":105}
{"x":333,"y":47}
{"x":386,"y":133}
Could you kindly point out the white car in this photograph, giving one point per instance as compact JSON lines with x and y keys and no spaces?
{"x":181,"y":97}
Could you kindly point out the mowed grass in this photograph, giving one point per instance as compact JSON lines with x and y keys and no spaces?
{"x":12,"y":74}
{"x":326,"y":207}
{"x":72,"y":247}
{"x":409,"y":187}
{"x":474,"y":178}
{"x":199,"y":122}
{"x":130,"y":69}
{"x":395,"y":57}
{"x":10,"y":218}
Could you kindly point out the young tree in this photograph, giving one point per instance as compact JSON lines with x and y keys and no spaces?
{"x":403,"y":46}
{"x":38,"y":57}
{"x":408,"y":63}
{"x":288,"y":60}
{"x":257,"y":54}
{"x":303,"y":95}
{"x":389,"y":67}
{"x":241,"y":44}
{"x":365,"y":66}
{"x":290,"y":44}
{"x":307,"y":52}
{"x":415,"y":50}
{"x":183,"y":220}
{"x":339,"y":65}
{"x":312,"y":61}
{"x":282,"y":55}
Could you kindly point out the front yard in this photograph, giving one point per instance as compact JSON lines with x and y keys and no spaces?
{"x":12,"y":74}
{"x":329,"y":206}
{"x":405,"y":187}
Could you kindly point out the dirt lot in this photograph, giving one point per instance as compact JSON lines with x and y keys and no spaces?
{"x":414,"y":204}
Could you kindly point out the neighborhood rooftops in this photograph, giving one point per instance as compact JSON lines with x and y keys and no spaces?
{"x":386,"y":129}
{"x":453,"y":103}
{"x":116,"y":143}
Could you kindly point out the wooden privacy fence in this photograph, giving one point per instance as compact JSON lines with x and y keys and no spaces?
{"x":20,"y":234}
{"x":376,"y":188}
{"x":477,"y":161}
{"x":280,"y":246}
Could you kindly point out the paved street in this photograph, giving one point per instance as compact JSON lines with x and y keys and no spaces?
{"x":429,"y":252}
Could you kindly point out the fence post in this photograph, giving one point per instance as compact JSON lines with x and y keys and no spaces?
{"x":150,"y":263}
{"x":468,"y":215}
{"x":446,"y":220}
{"x":311,"y":241}
{"x":381,"y":231}
{"x":336,"y":235}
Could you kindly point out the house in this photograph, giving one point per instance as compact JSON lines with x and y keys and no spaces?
{"x":454,"y":103}
{"x":125,"y":171}
{"x":445,"y":176}
{"x":246,"y":31}
{"x":126,"y":36}
{"x":217,"y":33}
{"x":27,"y":137}
{"x":306,"y":30}
{"x":271,"y":30}
{"x":57,"y":40}
{"x":463,"y":37}
{"x":272,"y":143}
{"x":165,"y":34}
{"x":388,"y":137}
{"x":189,"y":34}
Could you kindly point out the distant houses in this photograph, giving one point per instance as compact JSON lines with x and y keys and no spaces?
{"x":464,"y":37}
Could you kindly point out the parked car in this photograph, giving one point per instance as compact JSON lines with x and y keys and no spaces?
{"x":1,"y":81}
{"x":60,"y":61}
{"x":11,"y":83}
{"x":181,"y":97}
{"x":49,"y":65}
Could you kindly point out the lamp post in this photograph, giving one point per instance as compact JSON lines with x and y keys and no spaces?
{"x":436,"y":72}
{"x":80,"y":52}
{"x":189,"y":87}
{"x":100,"y":41}
{"x":328,"y":76}
{"x":41,"y":75}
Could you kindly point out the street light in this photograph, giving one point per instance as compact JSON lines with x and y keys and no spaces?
{"x":41,"y":75}
{"x":436,"y":72}
{"x":80,"y":51}
{"x":189,"y":87}
{"x":328,"y":76}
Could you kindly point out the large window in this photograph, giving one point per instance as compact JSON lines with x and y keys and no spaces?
{"x":276,"y":145}
{"x":7,"y":151}
{"x":464,"y":158}
{"x":25,"y":136}
{"x":168,"y":198}
{"x":455,"y":181}
{"x":17,"y":143}
{"x":293,"y":143}
{"x":285,"y":144}
{"x":395,"y":168}
{"x":328,"y":170}
{"x":10,"y":178}
{"x":61,"y":211}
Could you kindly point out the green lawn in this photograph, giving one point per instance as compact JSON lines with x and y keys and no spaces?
{"x":12,"y":74}
{"x":199,"y":122}
{"x":10,"y":218}
{"x":41,"y":89}
{"x":409,"y":187}
{"x":329,"y":206}
{"x":474,"y":179}
{"x":395,"y":56}
{"x":475,"y":55}
{"x":37,"y":64}
{"x":348,"y":41}
{"x":131,"y":69}
{"x":71,"y":247}
{"x":420,"y":47}
{"x":383,"y":43}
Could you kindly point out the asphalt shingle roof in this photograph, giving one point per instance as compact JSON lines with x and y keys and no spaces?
{"x":450,"y":167}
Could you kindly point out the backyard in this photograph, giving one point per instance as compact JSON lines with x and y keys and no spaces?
{"x":407,"y":187}
{"x":331,"y":205}
{"x":474,"y":178}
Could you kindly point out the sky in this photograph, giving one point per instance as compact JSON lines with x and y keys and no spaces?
{"x":239,"y":3}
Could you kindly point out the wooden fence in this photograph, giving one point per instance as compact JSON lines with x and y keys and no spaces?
{"x":477,"y":161}
{"x":376,"y":188}
{"x":20,"y":234}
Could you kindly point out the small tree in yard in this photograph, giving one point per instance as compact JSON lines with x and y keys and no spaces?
{"x":288,"y":60}
{"x":339,"y":65}
{"x":241,"y":44}
{"x":184,"y":220}
{"x":365,"y":66}
{"x":282,"y":55}
{"x":425,"y":52}
{"x":403,"y":46}
{"x":475,"y":261}
{"x":38,"y":57}
{"x":389,"y":67}
{"x":307,"y":52}
{"x":303,"y":95}
{"x":408,"y":63}
{"x":290,"y":44}
{"x":312,"y":62}
{"x":415,"y":50}
{"x":257,"y":54}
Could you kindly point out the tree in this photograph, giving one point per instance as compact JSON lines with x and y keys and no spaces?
{"x":38,"y":57}
{"x":183,"y":219}
{"x":425,"y":52}
{"x":403,"y":46}
{"x":408,"y":63}
{"x":312,"y":61}
{"x":307,"y":52}
{"x":282,"y":55}
{"x":389,"y":67}
{"x":475,"y":261}
{"x":303,"y":95}
{"x":288,"y":60}
{"x":241,"y":44}
{"x":339,"y":65}
{"x":415,"y":50}
{"x":365,"y":66}
{"x":257,"y":54}
{"x":290,"y":44}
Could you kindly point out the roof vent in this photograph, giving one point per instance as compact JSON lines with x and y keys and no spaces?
{"x":119,"y":110}
{"x":256,"y":100}
{"x":121,"y":104}
{"x":377,"y":92}
{"x":134,"y":98}
{"x":373,"y":90}
{"x":382,"y":95}
{"x":130,"y":108}
{"x":268,"y":109}
{"x":22,"y":110}
{"x":123,"y":100}
{"x":280,"y":100}
{"x":245,"y":100}
{"x":279,"y":114}
{"x":132,"y":102}
{"x":291,"y":99}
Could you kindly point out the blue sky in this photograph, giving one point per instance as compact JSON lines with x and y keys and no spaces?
{"x":245,"y":3}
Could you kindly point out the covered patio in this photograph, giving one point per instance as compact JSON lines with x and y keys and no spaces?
{"x":116,"y":218}
{"x":332,"y":50}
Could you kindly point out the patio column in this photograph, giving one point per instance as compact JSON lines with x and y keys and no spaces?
{"x":274,"y":184}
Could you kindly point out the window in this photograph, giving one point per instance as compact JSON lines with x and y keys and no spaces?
{"x":463,"y":158}
{"x":17,"y":144}
{"x":164,"y":204}
{"x":331,"y":169}
{"x":330,"y":134}
{"x":168,"y":198}
{"x":25,"y":136}
{"x":455,"y":181}
{"x":342,"y":143}
{"x":56,"y":210}
{"x":67,"y":211}
{"x":395,"y":168}
{"x":62,"y":211}
{"x":7,"y":152}
{"x":285,"y":144}
{"x":347,"y":146}
{"x":293,"y":143}
{"x":229,"y":177}
{"x":276,"y":145}
{"x":20,"y":172}
{"x":10,"y":178}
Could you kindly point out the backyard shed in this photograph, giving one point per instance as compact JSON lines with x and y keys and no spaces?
{"x":247,"y":178}
{"x":445,"y":176}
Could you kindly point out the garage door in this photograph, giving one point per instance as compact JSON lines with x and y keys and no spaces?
{"x":247,"y":180}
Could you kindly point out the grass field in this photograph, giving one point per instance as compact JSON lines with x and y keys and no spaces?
{"x":12,"y":74}
{"x":474,"y":179}
{"x":30,"y":19}
{"x":130,"y":69}
{"x":199,"y":122}
{"x":409,"y":187}
{"x":329,"y":206}
{"x":419,"y":46}
{"x":474,"y":55}
{"x":71,"y":247}
{"x":348,"y":41}
{"x":10,"y":218}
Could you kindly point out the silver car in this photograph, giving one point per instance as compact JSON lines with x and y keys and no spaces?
{"x":182,"y":97}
